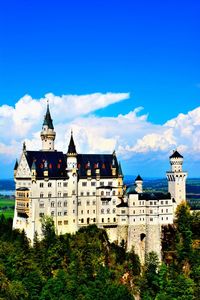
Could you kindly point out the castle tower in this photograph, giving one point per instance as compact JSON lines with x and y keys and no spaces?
{"x":72,"y":172}
{"x":48,"y":134}
{"x":138,"y":184}
{"x":71,"y":154}
{"x":177,"y":178}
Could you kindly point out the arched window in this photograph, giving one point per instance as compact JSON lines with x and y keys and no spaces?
{"x":102,"y":211}
{"x":52,"y":204}
{"x":108,"y":210}
{"x":41,"y":195}
{"x":65,"y":203}
{"x":59,"y":204}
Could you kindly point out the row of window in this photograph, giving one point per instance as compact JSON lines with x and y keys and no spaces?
{"x":166,"y":202}
{"x":49,"y":184}
{"x":108,"y":211}
{"x":93,"y":183}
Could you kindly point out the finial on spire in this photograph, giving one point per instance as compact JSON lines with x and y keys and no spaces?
{"x":24,"y":147}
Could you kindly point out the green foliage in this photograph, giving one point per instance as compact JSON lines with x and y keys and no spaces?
{"x":86,"y":266}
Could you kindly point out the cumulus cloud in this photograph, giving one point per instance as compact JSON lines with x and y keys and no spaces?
{"x":130,"y":134}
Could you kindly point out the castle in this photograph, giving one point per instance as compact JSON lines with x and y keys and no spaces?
{"x":81,"y":189}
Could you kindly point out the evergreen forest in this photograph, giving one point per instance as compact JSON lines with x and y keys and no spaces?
{"x":86,"y":266}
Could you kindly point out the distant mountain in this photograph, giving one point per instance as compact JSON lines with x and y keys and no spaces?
{"x":7,"y":185}
{"x":160,"y":184}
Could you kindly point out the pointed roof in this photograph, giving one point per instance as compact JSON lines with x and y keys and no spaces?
{"x":33,"y":167}
{"x":71,"y":147}
{"x":47,"y":119}
{"x":176,"y":154}
{"x":120,"y":173}
{"x":16,"y":165}
{"x":138,"y":178}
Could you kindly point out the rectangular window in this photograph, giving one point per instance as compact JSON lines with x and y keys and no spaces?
{"x":41,"y":214}
{"x":123,"y":211}
{"x":110,"y":183}
{"x":102,"y":220}
{"x":65,"y":195}
{"x":59,"y":222}
{"x":73,"y":192}
{"x":65,"y":184}
{"x":166,"y":202}
{"x":65,"y":222}
{"x":101,"y":183}
{"x":41,"y":205}
{"x":93,"y":211}
{"x":41,"y":184}
{"x":151,"y":219}
{"x":84,"y":183}
{"x":49,"y":184}
{"x":65,"y":213}
{"x":59,"y":213}
{"x":93,"y":183}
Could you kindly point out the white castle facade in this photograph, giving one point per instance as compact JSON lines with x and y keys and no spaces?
{"x":81,"y":189}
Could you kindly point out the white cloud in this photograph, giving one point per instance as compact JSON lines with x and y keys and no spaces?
{"x":130,"y":134}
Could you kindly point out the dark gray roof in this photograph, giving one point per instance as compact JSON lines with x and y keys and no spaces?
{"x":154,"y":196}
{"x":123,"y":204}
{"x":103,"y":162}
{"x":22,"y":189}
{"x":47,"y":119}
{"x":176,"y":154}
{"x":120,"y":170}
{"x":71,"y":147}
{"x":56,"y":163}
{"x":16,"y":165}
{"x":138,"y":178}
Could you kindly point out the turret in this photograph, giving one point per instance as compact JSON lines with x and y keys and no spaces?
{"x":33,"y":172}
{"x":138,"y":184}
{"x":177,"y":178}
{"x":176,"y":161}
{"x":114,"y":164}
{"x":48,"y":134}
{"x":15,"y":167}
{"x":71,"y":154}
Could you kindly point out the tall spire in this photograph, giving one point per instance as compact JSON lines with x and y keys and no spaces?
{"x":71,"y":147}
{"x":48,"y":134}
{"x":47,"y":119}
{"x":120,"y":173}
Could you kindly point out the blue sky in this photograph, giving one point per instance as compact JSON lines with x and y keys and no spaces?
{"x":149,"y":49}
